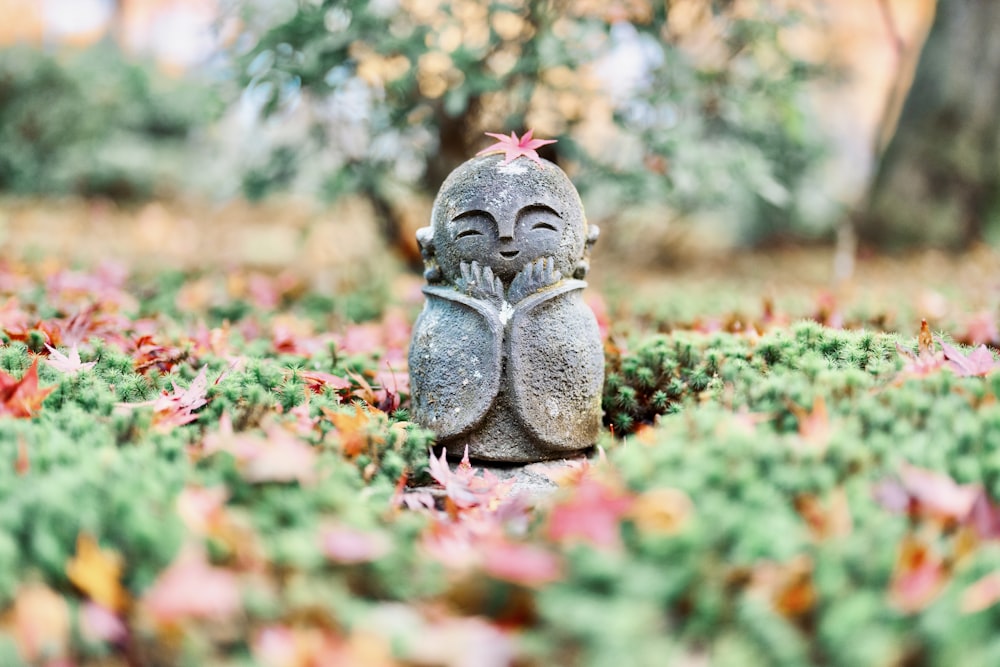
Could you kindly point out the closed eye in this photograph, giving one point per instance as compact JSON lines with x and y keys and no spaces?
{"x":468,"y":232}
{"x":544,"y":225}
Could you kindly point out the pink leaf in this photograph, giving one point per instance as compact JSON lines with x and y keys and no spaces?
{"x":514,"y":147}
{"x":979,"y":362}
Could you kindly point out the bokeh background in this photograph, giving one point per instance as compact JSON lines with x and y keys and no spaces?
{"x":315,"y":133}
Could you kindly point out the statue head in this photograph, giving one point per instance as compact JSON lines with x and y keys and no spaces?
{"x":505,"y":216}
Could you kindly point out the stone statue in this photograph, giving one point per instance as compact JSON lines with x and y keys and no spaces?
{"x":506,"y":357}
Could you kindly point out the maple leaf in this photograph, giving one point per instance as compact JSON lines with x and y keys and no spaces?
{"x":22,"y":398}
{"x":192,"y":588}
{"x":979,"y":362}
{"x":351,"y":430}
{"x":97,"y":572}
{"x":177,"y":408}
{"x":514,"y":147}
{"x":317,"y":380}
{"x":591,"y":514}
{"x":463,"y":488}
{"x":67,"y":363}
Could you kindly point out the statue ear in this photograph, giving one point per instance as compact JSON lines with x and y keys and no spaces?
{"x":583,"y":266}
{"x":425,"y":241}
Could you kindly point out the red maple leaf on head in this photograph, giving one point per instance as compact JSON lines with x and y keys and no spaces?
{"x":514,"y":147}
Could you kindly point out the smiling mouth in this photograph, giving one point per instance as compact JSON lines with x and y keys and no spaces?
{"x":509,"y":254}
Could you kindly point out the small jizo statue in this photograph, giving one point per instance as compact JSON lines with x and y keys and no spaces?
{"x":506,"y":357}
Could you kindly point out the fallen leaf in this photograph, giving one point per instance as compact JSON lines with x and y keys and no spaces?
{"x":464,"y":488}
{"x":177,"y":408}
{"x":97,"y":572}
{"x":979,"y":362}
{"x":69,"y":364}
{"x":22,"y":398}
{"x":351,"y":430}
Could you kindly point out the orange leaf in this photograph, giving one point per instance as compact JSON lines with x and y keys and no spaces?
{"x":97,"y":573}
{"x":22,"y":398}
{"x":352,"y":430}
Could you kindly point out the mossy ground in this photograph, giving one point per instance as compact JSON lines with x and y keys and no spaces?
{"x":227,"y":476}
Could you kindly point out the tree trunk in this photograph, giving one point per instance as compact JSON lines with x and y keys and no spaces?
{"x":939,"y":180}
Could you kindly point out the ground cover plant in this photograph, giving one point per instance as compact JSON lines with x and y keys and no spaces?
{"x":207,"y":469}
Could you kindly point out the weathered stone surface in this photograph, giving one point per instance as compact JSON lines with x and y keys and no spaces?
{"x":506,"y":357}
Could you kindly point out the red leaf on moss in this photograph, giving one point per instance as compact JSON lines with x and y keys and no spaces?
{"x":172,"y":409}
{"x":514,"y":147}
{"x":22,"y":398}
{"x":463,"y":487}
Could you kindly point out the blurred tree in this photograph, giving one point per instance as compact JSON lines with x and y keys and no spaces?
{"x":690,"y":103}
{"x":939,"y":180}
{"x":93,"y":123}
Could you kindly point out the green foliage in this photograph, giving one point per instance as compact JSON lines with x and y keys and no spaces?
{"x":92,"y":123}
{"x":748,"y":526}
{"x":402,"y":92}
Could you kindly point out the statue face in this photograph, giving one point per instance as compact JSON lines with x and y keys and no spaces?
{"x":506,"y":217}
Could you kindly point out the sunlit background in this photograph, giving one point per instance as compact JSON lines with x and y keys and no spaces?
{"x":745,"y":126}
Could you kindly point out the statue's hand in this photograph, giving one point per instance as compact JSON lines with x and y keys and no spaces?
{"x":536,"y":276}
{"x":480,"y":283}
